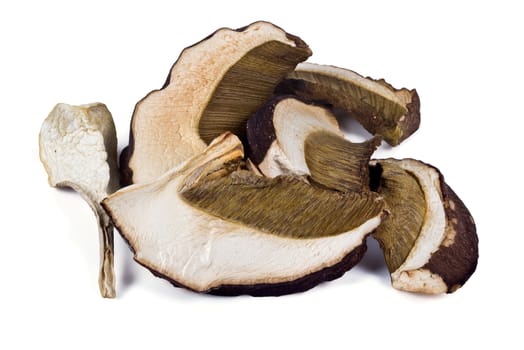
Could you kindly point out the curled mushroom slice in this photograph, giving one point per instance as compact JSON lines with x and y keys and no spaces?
{"x":383,"y":110}
{"x":429,"y":240}
{"x":78,"y":148}
{"x":213,"y":87}
{"x":211,"y":227}
{"x":290,"y":136}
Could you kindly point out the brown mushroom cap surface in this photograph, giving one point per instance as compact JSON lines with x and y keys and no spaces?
{"x":213,"y":87}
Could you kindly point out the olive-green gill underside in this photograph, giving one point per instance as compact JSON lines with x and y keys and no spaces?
{"x":359,"y":97}
{"x":285,"y":206}
{"x":246,"y":86}
{"x":406,"y":202}
{"x":386,"y":113}
{"x":337,"y":163}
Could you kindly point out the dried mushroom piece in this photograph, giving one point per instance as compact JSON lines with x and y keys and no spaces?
{"x":383,"y":110}
{"x":429,"y":240}
{"x":213,"y":87}
{"x":290,"y":136}
{"x":407,"y":205}
{"x":78,"y":149}
{"x":211,"y":227}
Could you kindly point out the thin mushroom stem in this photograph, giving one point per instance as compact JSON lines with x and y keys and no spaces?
{"x":106,"y":277}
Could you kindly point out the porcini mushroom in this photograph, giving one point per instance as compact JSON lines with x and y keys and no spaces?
{"x":382,"y":110}
{"x":210,"y":227}
{"x":291,"y":136}
{"x":78,"y":149}
{"x":429,"y":240}
{"x":213,"y":87}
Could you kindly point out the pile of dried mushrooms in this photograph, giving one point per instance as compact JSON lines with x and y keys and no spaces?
{"x":238,"y":180}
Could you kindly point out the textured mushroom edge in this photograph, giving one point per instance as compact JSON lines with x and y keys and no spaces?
{"x":457,"y":257}
{"x":299,"y":285}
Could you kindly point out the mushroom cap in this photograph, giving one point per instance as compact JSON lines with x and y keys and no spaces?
{"x":213,"y":87}
{"x":174,"y":233}
{"x":291,"y":136}
{"x":444,"y":253}
{"x":383,"y":110}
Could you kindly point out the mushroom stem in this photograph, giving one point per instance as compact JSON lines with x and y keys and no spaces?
{"x":106,"y":276}
{"x":78,"y":148}
{"x":380,"y":108}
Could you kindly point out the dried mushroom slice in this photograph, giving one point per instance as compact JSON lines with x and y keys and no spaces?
{"x":429,"y":240}
{"x":383,"y":110}
{"x":407,"y":205}
{"x":210,"y":227}
{"x":213,"y":87}
{"x":290,"y":136}
{"x":78,"y":148}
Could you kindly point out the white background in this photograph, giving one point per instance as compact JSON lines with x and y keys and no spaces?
{"x":465,"y":62}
